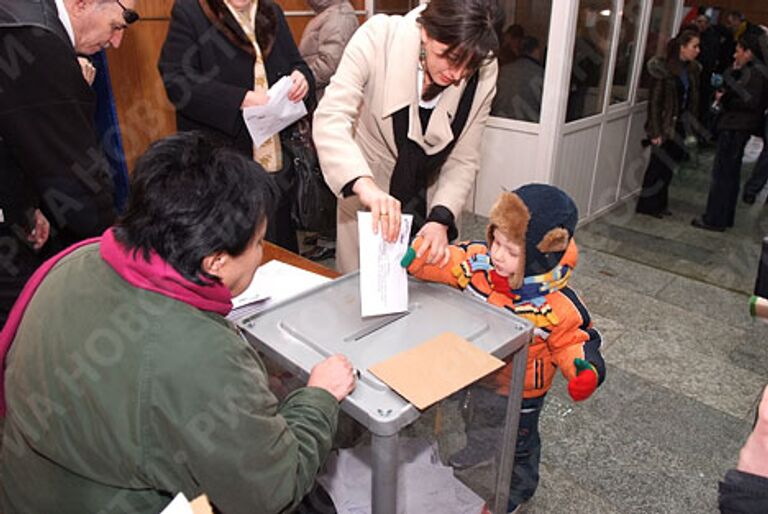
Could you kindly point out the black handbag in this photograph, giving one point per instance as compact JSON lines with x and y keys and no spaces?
{"x":314,"y":205}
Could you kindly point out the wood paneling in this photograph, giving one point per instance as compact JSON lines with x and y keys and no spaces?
{"x":143,"y":110}
{"x":154,"y":8}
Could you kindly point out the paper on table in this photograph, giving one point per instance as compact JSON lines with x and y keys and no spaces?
{"x":263,"y":121}
{"x":275,"y":281}
{"x":435,"y":369}
{"x":383,"y":281}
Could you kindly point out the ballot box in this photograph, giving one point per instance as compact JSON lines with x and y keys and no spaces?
{"x":298,"y":333}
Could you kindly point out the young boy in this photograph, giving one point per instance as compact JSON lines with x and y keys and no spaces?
{"x":524,"y":268}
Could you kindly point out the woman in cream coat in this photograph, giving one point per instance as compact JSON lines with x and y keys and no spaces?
{"x":435,"y":66}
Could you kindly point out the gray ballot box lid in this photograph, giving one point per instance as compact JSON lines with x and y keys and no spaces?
{"x":302,"y":331}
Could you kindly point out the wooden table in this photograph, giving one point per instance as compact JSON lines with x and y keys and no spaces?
{"x":274,"y":252}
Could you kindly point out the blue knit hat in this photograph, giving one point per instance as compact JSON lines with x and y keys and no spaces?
{"x":538,"y":217}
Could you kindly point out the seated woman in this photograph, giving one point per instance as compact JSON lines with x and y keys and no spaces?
{"x":125,"y":384}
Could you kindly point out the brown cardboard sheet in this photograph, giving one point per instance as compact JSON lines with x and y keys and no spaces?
{"x":435,"y":369}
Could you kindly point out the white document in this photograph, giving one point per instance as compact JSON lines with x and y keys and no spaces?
{"x":383,"y":281}
{"x":179,"y":505}
{"x":276,"y":281}
{"x":264,"y":121}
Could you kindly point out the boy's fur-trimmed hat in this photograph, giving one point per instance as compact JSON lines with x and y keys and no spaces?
{"x":541,"y":219}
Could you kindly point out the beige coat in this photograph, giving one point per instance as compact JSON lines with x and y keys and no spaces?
{"x":325,"y":37}
{"x":353,"y":131}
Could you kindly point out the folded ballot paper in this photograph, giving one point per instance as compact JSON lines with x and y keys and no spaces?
{"x":263,"y":121}
{"x":383,"y":281}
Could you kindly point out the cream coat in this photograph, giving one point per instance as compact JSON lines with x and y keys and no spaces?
{"x":353,"y":131}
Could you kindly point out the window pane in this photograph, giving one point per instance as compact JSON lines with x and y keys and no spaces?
{"x":394,"y":6}
{"x":590,"y":59}
{"x":521,"y":60}
{"x":659,"y":31}
{"x":625,"y":55}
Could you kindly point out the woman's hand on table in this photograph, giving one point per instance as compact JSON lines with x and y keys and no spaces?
{"x":434,"y":243}
{"x":384,"y":208}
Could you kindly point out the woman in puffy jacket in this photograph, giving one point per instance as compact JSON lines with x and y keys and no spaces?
{"x":325,"y":37}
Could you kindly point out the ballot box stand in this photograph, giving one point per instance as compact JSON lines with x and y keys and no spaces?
{"x":300,"y":332}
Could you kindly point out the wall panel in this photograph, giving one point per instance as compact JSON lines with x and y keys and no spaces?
{"x":143,"y":110}
{"x":508,"y":161}
{"x":607,"y":175}
{"x":636,"y":158}
{"x":576,"y":166}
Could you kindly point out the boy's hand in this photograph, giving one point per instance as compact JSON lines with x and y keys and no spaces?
{"x":584,"y":384}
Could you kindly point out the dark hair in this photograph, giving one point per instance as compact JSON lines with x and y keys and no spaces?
{"x":751,"y":42}
{"x":685,"y":36}
{"x":528,"y":45}
{"x":470,"y":28}
{"x":190,"y":198}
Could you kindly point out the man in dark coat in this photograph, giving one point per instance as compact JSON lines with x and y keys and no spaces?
{"x":51,"y":165}
{"x":520,"y":83}
{"x":744,"y":101}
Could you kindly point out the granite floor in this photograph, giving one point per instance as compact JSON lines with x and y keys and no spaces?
{"x":686,"y":363}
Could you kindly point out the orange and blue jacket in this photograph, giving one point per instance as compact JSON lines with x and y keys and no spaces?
{"x":563,"y":328}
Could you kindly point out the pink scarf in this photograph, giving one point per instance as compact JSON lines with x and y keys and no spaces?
{"x":154,"y":275}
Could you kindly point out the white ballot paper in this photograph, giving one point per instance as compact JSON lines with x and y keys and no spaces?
{"x":263,"y":121}
{"x":383,"y":282}
{"x":179,"y":505}
{"x":276,"y":281}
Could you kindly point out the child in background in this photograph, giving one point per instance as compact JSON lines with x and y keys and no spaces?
{"x":524,"y":268}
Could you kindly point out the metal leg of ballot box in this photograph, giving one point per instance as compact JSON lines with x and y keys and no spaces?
{"x":514,"y":403}
{"x":384,"y":482}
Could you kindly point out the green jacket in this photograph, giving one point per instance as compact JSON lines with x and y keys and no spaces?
{"x":119,"y":398}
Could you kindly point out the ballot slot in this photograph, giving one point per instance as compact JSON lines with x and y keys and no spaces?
{"x":374,"y":325}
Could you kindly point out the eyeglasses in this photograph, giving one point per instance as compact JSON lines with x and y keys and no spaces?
{"x":129,"y":15}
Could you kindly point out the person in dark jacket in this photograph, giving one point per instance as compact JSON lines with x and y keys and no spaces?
{"x":744,"y":490}
{"x":672,"y":111}
{"x":53,"y":175}
{"x":743,"y":101}
{"x":708,"y":58}
{"x":520,"y":84}
{"x":221,"y":56}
